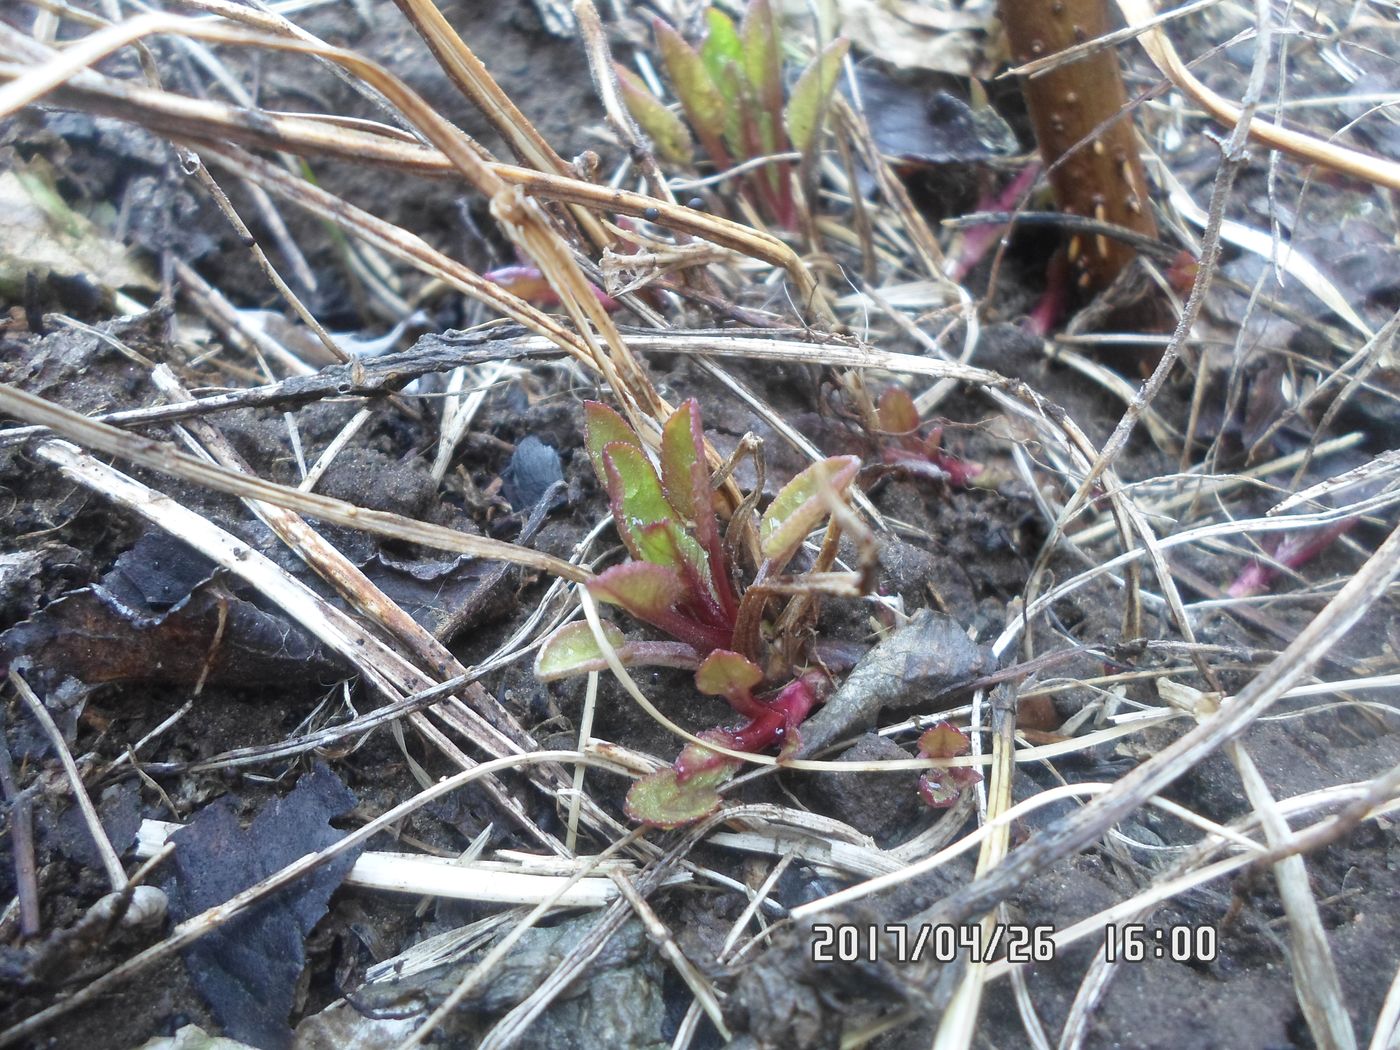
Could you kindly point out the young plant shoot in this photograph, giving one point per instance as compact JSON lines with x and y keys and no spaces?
{"x":899,"y":422}
{"x":731,"y":92}
{"x":942,"y":787}
{"x":681,"y":579}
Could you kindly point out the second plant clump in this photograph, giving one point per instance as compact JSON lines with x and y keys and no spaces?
{"x":731,"y":91}
{"x":681,"y":580}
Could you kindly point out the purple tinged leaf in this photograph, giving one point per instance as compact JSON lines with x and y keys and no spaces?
{"x":940,"y":788}
{"x":940,"y":792}
{"x":683,"y":473}
{"x":944,"y":740}
{"x":686,"y":479}
{"x":646,"y":591}
{"x":667,"y":131}
{"x":601,"y":427}
{"x":801,"y":506}
{"x":659,"y":654}
{"x":811,"y":93}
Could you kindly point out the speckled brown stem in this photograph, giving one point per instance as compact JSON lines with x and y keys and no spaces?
{"x":1097,"y":174}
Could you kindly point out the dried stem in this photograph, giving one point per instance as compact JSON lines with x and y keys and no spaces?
{"x":1083,"y":129}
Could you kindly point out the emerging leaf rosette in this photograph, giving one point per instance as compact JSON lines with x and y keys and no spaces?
{"x":681,"y":580}
{"x":942,"y":787}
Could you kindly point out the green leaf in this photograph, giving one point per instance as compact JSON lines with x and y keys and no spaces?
{"x":700,"y":97}
{"x":601,"y":427}
{"x":720,"y":47}
{"x":646,"y":591}
{"x":664,"y":800}
{"x":637,"y":500}
{"x":650,"y":527}
{"x":763,"y":60}
{"x":811,"y":94}
{"x":727,"y":674}
{"x":572,"y":650}
{"x":684,"y":474}
{"x":723,"y":56}
{"x":800,"y":507}
{"x":667,"y":131}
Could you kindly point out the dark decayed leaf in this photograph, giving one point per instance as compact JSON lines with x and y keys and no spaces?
{"x":92,"y":636}
{"x":247,"y":970}
{"x":157,"y":573}
{"x":928,"y":656}
{"x":159,"y":616}
{"x":435,"y":591}
{"x":925,"y":124}
{"x":533,"y":468}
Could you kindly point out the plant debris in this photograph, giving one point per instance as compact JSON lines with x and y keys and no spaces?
{"x":923,"y":662}
{"x":247,"y":970}
{"x":159,"y":617}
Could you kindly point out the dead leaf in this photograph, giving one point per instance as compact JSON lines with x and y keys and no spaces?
{"x":41,"y":235}
{"x":247,"y":970}
{"x":911,"y":34}
{"x":159,"y":617}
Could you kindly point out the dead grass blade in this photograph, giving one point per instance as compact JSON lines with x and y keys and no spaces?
{"x":1315,"y":979}
{"x":165,"y":458}
{"x":1138,"y":14}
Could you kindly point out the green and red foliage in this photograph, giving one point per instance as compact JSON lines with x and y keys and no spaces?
{"x":897,"y":420}
{"x":682,"y":580}
{"x":731,"y":92}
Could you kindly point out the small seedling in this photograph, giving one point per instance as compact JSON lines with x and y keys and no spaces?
{"x":731,"y":92}
{"x":896,"y":420}
{"x":681,"y":579}
{"x":1291,"y":552}
{"x":942,"y":787}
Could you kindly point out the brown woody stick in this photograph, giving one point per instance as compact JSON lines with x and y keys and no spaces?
{"x":1088,"y":144}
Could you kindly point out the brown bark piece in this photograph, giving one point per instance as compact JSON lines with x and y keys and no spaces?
{"x":1099,"y":173}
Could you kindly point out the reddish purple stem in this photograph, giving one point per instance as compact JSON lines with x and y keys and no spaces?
{"x":779,"y":717}
{"x":1295,"y":550}
{"x":979,"y":240}
{"x":529,"y":284}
